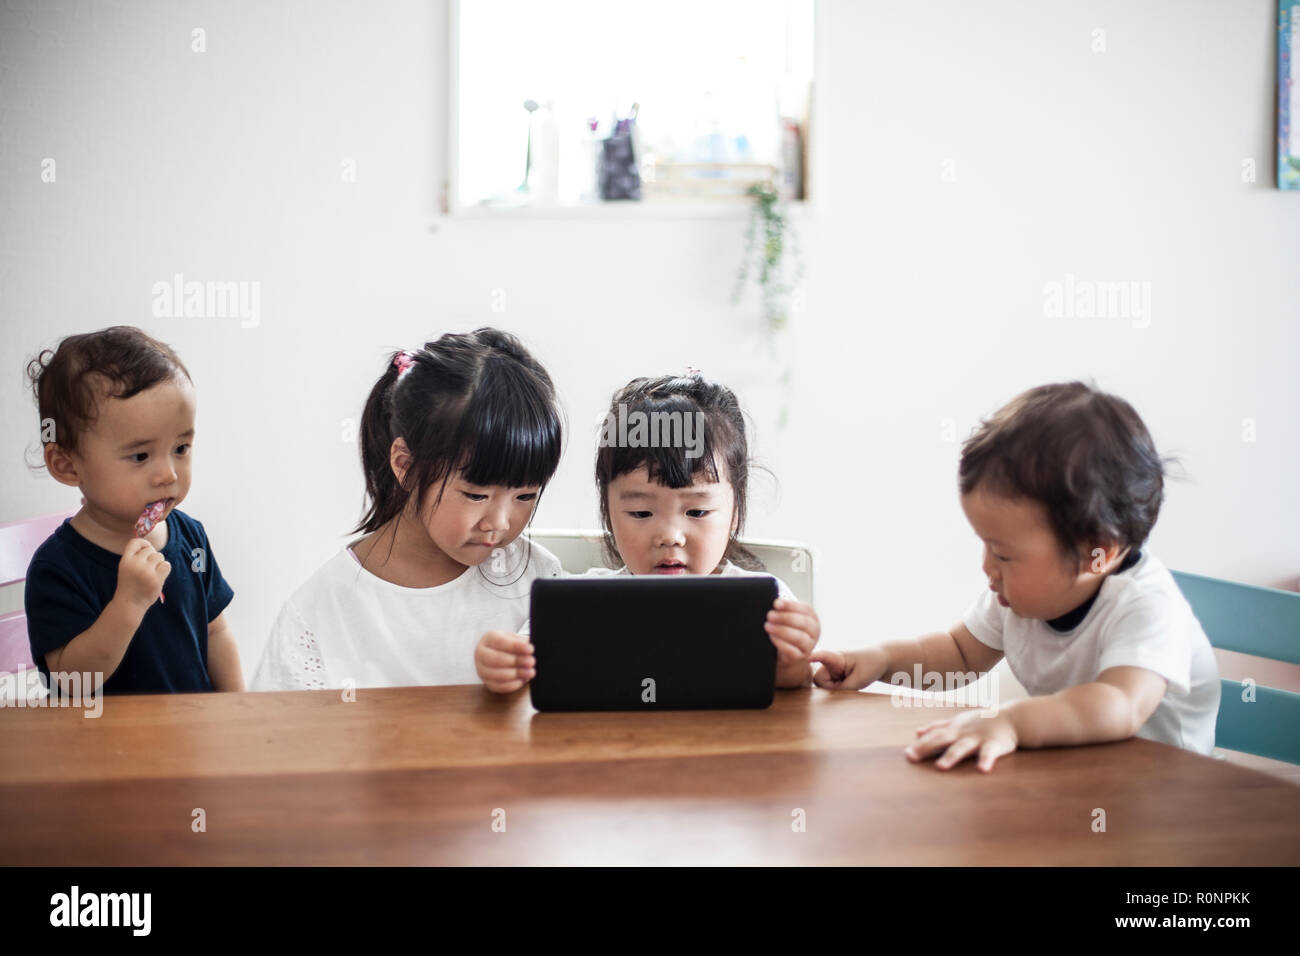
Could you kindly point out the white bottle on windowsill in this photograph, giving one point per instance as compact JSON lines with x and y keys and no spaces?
{"x":544,"y":168}
{"x":589,"y":191}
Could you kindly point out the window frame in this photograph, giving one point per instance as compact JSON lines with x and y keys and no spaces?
{"x":451,"y":206}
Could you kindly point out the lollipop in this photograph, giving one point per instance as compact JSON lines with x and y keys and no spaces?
{"x":148,"y":518}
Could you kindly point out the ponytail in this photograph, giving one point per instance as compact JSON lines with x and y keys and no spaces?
{"x":386,"y":494}
{"x":476,"y":402}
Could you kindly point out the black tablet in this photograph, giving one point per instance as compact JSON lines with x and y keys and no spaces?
{"x":652,"y":643}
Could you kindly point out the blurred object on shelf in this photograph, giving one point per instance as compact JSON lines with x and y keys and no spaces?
{"x":789,"y":183}
{"x":667,"y":180}
{"x":618,"y":175}
{"x":542,"y":168}
{"x":589,"y":178}
{"x":531,"y":106}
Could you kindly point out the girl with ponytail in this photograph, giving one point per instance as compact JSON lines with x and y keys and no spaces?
{"x":458,"y":441}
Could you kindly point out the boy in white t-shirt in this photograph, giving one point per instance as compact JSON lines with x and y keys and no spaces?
{"x":1063,"y":485}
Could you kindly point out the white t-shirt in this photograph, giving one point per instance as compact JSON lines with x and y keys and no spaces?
{"x":1138,"y":619}
{"x":347,"y":623}
{"x":729,"y":569}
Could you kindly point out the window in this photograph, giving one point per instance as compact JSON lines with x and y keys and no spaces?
{"x":717,"y":92}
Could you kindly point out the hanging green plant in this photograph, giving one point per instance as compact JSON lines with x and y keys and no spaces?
{"x":772,"y":253}
{"x":771,"y":248}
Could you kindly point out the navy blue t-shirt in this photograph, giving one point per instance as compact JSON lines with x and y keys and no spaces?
{"x":71,"y":580}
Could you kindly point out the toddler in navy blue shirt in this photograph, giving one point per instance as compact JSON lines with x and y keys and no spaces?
{"x":127,"y":589}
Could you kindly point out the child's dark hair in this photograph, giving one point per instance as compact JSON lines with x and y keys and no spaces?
{"x":1084,"y":454}
{"x":476,"y":402}
{"x":70,"y":380}
{"x":722,"y":437}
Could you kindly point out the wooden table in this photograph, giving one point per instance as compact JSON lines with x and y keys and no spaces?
{"x":419,"y":776}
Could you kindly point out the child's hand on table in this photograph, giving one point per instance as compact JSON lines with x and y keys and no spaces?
{"x":794,"y":629}
{"x":966,"y":735}
{"x":504,"y":662}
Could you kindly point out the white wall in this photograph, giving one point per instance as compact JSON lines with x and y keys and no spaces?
{"x":925,"y":297}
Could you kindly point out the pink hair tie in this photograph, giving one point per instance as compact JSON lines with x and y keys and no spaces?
{"x":403,"y":361}
{"x":692,"y":372}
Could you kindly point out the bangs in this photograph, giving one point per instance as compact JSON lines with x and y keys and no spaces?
{"x":510,"y":430}
{"x":665,"y":465}
{"x":666,"y":462}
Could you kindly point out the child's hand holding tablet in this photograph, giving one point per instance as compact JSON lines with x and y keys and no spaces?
{"x":504,"y":662}
{"x":795,"y":629}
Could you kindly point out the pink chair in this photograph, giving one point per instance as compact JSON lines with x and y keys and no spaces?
{"x":18,"y":542}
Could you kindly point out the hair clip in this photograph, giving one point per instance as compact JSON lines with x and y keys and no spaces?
{"x":402,"y":361}
{"x":692,"y":372}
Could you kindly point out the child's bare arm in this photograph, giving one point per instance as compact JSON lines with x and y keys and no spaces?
{"x":99,"y":649}
{"x":1113,"y":707}
{"x":223,"y":656}
{"x":955,"y":651}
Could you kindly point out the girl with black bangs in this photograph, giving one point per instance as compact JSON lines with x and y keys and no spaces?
{"x":458,"y":441}
{"x":672,"y":469}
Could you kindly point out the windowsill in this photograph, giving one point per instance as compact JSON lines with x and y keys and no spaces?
{"x":625,"y":210}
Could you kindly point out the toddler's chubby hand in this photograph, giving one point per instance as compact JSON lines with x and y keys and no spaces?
{"x":848,"y":670}
{"x":795,"y":629}
{"x":504,"y":661}
{"x":968,"y":734}
{"x":140,"y":574}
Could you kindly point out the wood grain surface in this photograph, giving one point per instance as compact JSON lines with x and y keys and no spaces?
{"x":455,"y":775}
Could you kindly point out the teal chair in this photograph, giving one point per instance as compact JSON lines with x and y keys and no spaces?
{"x":1262,"y":622}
